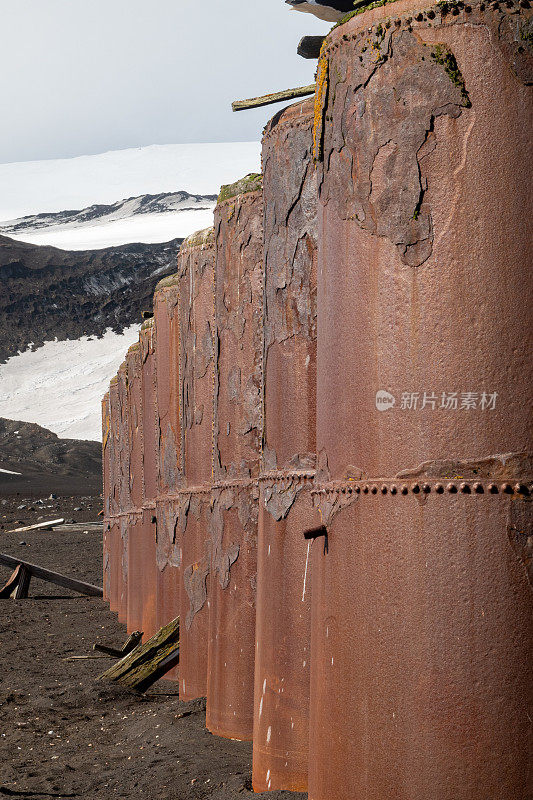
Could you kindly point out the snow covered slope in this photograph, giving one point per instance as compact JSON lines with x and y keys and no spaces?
{"x":147,"y":219}
{"x":60,"y":385}
{"x":31,"y":187}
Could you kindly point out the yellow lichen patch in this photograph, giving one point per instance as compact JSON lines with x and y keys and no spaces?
{"x":321,"y":97}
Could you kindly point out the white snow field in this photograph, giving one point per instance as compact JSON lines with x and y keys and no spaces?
{"x":34,"y":187}
{"x":60,"y":386}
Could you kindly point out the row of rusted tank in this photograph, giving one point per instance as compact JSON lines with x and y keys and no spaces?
{"x":348,"y":354}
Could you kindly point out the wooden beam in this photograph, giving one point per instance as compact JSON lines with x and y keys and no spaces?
{"x":277,"y":97}
{"x":52,"y":577}
{"x":130,"y":644}
{"x":310,"y":46}
{"x":148,"y":662}
{"x":9,"y":588}
{"x":38,"y":526}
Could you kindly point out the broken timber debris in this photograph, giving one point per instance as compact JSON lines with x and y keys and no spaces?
{"x":276,"y":97}
{"x":42,"y":526}
{"x":19,"y":582}
{"x":148,"y":662}
{"x":130,"y":644}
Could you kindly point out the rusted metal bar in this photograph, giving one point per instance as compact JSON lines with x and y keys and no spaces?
{"x":422,"y":637}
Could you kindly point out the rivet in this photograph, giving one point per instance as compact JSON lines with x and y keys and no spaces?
{"x":374,"y":489}
{"x":419,"y":17}
{"x":343,"y":490}
{"x":468,"y":9}
{"x":520,"y":488}
{"x":365,"y":490}
{"x":465,"y":488}
{"x":493,"y":489}
{"x":358,"y":490}
{"x":439,"y":488}
{"x":397,"y":22}
{"x":404,"y":489}
{"x":507,"y":488}
{"x":426,"y":488}
{"x":452,"y":488}
{"x":415,"y":488}
{"x":478,"y":488}
{"x":350,"y":490}
{"x":384,"y":489}
{"x":431,"y":14}
{"x":393,"y":489}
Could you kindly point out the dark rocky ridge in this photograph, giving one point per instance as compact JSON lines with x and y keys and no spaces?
{"x":49,"y":293}
{"x":47,"y":463}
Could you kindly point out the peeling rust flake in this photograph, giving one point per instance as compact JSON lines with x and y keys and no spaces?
{"x":382,"y":129}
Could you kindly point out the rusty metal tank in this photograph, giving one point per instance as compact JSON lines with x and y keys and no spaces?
{"x":170,"y":477}
{"x":196,"y":315}
{"x":107,"y":486}
{"x":422,"y":599}
{"x":236,"y":450}
{"x":283,"y":625}
{"x":149,"y":472}
{"x":196,"y":312}
{"x":113,"y":523}
{"x":124,"y":491}
{"x":135,"y":533}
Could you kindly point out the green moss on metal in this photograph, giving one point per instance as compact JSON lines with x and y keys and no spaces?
{"x":199,"y":239}
{"x":250,"y":183}
{"x":361,"y":8}
{"x":170,"y":280}
{"x":443,"y":55}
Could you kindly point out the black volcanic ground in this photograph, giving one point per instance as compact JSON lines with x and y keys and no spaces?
{"x":49,"y":293}
{"x":47,"y":463}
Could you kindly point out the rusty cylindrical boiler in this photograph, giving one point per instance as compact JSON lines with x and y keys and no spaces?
{"x":149,"y":473}
{"x":237,"y":440}
{"x":107,"y":486}
{"x":283,"y":625}
{"x":135,"y":443}
{"x":196,"y":320}
{"x":170,"y":477}
{"x":422,"y":664}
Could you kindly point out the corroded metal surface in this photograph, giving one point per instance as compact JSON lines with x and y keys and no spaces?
{"x":107,"y":490}
{"x":239,"y":336}
{"x":168,"y":562}
{"x":194,"y":627}
{"x":282,"y":658}
{"x":148,"y":544}
{"x":167,"y":352}
{"x":124,"y":491}
{"x":196,"y":312}
{"x":135,"y":442}
{"x":421,"y":668}
{"x":231,"y":599}
{"x":114,"y":506}
{"x":238,"y":431}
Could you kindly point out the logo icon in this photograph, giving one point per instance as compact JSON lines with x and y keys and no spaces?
{"x":384,"y":400}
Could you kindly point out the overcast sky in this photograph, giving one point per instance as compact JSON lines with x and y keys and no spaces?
{"x":85,"y":76}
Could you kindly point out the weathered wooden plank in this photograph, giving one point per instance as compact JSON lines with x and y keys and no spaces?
{"x":11,"y":584}
{"x":52,"y":577}
{"x":38,"y":526}
{"x":23,"y":585}
{"x":276,"y":97}
{"x":148,"y":662}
